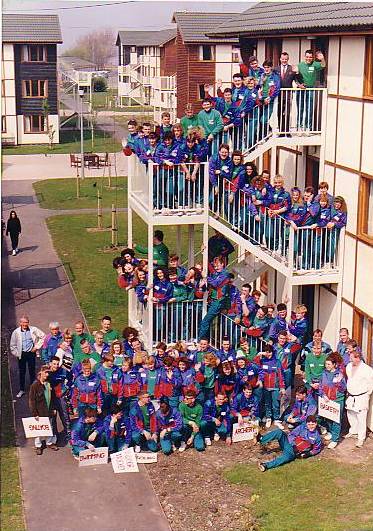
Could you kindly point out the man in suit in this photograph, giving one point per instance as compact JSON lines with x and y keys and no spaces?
{"x":287,"y":76}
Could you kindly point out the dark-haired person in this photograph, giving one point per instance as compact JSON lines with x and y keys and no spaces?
{"x":212,"y":123}
{"x":160,"y":250}
{"x":220,"y":174}
{"x":279,"y":323}
{"x":189,"y":120}
{"x":169,"y":426}
{"x":142,"y":141}
{"x":42,"y":404}
{"x":333,"y":387}
{"x":109,"y":333}
{"x":269,"y":89}
{"x":287,"y":76}
{"x":110,"y":379}
{"x":255,"y":70}
{"x":191,"y":413}
{"x":13,"y":228}
{"x":304,"y":405}
{"x":130,"y":144}
{"x":216,"y":420}
{"x":143,"y":423}
{"x":117,"y":429}
{"x":86,"y":390}
{"x":230,"y":113}
{"x":87,"y":432}
{"x":61,"y":381}
{"x":304,"y":441}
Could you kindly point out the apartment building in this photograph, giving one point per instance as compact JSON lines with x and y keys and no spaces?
{"x":29,"y":78}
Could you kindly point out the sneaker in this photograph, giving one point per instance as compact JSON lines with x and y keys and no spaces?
{"x":137,"y":449}
{"x":182,"y":447}
{"x":207,"y":441}
{"x":268,"y":423}
{"x":359,"y":443}
{"x":17,"y":250}
{"x":332,"y":445}
{"x":350,"y":435}
{"x":262,"y":467}
{"x":39,"y":450}
{"x":13,"y":253}
{"x":328,"y":436}
{"x":76,"y":457}
{"x":279,"y":424}
{"x":323,"y":430}
{"x":216,"y":437}
{"x":53,"y":447}
{"x":20,"y":393}
{"x":173,"y":448}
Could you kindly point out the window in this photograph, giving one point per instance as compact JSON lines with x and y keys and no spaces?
{"x":362,"y":332}
{"x":368,"y":70}
{"x":35,"y":88}
{"x":140,"y":51}
{"x":133,"y":49}
{"x":3,"y":124}
{"x":201,"y":91}
{"x":126,"y":79}
{"x":236,"y":55}
{"x":35,"y":124}
{"x":365,"y":214}
{"x":312,"y":171}
{"x":35,"y":53}
{"x":273,"y":49}
{"x":126,"y":55}
{"x":206,"y":52}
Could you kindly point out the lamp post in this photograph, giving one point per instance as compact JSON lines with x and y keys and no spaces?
{"x":81,"y":94}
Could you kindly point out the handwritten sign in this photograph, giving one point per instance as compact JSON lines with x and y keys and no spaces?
{"x":124,"y":461}
{"x":329,"y":409}
{"x":144,"y":458}
{"x":98,"y":456}
{"x":244,"y":432}
{"x":37,"y":428}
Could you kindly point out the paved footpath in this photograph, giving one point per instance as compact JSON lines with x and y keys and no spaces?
{"x":57,"y":494}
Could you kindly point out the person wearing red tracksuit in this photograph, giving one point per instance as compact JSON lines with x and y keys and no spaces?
{"x":86,"y":390}
{"x":110,"y":379}
{"x":168,"y":383}
{"x":144,"y":423}
{"x":130,"y":385}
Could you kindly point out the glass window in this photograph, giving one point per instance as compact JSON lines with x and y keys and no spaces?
{"x":206,"y":52}
{"x":201,"y":91}
{"x":236,"y":55}
{"x":365,"y":216}
{"x":368,"y":70}
{"x":35,"y":88}
{"x":35,"y":124}
{"x":35,"y":53}
{"x":3,"y":124}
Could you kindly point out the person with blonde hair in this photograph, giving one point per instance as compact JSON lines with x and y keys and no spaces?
{"x":64,"y":352}
{"x":206,"y":377}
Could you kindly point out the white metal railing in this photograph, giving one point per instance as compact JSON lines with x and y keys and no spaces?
{"x":164,"y":83}
{"x":224,"y":325}
{"x":177,"y":321}
{"x":306,"y":248}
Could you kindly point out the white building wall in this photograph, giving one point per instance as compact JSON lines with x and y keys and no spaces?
{"x":327,"y":316}
{"x":352,"y":66}
{"x":224,"y":67}
{"x":37,"y":138}
{"x":364,"y":284}
{"x":367,"y":151}
{"x":8,"y":104}
{"x":292,"y":47}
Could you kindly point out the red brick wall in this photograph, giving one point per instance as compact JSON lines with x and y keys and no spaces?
{"x":168,"y":58}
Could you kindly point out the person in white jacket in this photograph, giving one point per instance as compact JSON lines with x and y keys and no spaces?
{"x":25,"y":342}
{"x":359,"y":389}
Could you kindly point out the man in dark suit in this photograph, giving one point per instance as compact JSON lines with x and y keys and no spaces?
{"x":287,"y":76}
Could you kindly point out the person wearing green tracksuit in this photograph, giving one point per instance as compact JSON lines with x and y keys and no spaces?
{"x":160,"y":250}
{"x":191,"y":413}
{"x":212,"y":122}
{"x":314,"y":366}
{"x":190,"y":119}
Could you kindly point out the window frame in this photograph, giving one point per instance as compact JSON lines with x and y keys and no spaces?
{"x":29,"y":60}
{"x":359,"y":319}
{"x":199,"y":85}
{"x":368,"y":69}
{"x":3,"y":123}
{"x":35,"y":131}
{"x":200,"y":53}
{"x":39,"y":96}
{"x":236,"y":50}
{"x":366,"y":181}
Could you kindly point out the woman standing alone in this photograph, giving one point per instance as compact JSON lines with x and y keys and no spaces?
{"x":13,"y":228}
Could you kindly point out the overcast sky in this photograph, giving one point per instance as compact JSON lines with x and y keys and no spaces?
{"x":126,"y":14}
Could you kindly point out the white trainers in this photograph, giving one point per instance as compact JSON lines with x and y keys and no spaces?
{"x":323,"y":430}
{"x":137,"y":449}
{"x":279,"y":424}
{"x":268,"y":423}
{"x":173,"y":448}
{"x":359,"y":443}
{"x":350,"y":435}
{"x":328,"y":436}
{"x":332,"y":445}
{"x":182,"y":447}
{"x":20,"y":393}
{"x":216,"y":437}
{"x":207,"y":441}
{"x":14,"y":253}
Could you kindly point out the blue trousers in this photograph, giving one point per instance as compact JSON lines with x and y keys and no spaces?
{"x":139,"y":440}
{"x":116,"y":444}
{"x":198,"y":441}
{"x":272,"y":403}
{"x":174,"y":437}
{"x":214,"y":309}
{"x":288,"y":453}
{"x":63,"y":412}
{"x":334,"y":427}
{"x":97,"y":443}
{"x":209,"y":428}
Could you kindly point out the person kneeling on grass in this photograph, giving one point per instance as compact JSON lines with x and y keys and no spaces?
{"x":144,"y":423}
{"x":304,"y":441}
{"x":87,"y":432}
{"x":117,"y":430}
{"x":191,"y":413}
{"x":169,"y":425}
{"x":216,"y":420}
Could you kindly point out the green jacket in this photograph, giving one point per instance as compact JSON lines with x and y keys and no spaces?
{"x":160,"y":253}
{"x":76,"y":348}
{"x":191,"y":414}
{"x":314,"y":366}
{"x":211,"y":122}
{"x":180,"y":292}
{"x":187,"y":123}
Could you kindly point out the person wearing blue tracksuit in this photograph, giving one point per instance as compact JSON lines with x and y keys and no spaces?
{"x":51,"y":343}
{"x":87,"y":432}
{"x":278,"y":203}
{"x":117,"y":430}
{"x":61,"y":381}
{"x":304,"y":405}
{"x":220,"y":171}
{"x":169,"y":426}
{"x":216,"y":420}
{"x":338,"y":220}
{"x":269,"y":89}
{"x":143,"y":423}
{"x":166,"y":155}
{"x":320,"y":251}
{"x":279,"y":323}
{"x":305,"y":239}
{"x":304,"y":441}
{"x":245,"y":405}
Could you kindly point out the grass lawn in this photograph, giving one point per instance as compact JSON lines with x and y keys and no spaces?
{"x":11,"y":500}
{"x":90,"y":269}
{"x":60,"y":194}
{"x":316,"y":494}
{"x":70,"y":143}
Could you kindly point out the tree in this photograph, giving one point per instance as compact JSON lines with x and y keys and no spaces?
{"x":50,"y":131}
{"x":99,"y":84}
{"x":97,"y":47}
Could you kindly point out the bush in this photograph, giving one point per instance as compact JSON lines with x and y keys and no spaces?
{"x":99,"y":84}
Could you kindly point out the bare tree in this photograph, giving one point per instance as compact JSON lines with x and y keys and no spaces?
{"x":97,"y":47}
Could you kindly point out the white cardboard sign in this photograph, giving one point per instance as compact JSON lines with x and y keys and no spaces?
{"x":37,"y":428}
{"x":244,"y":432}
{"x":98,"y":456}
{"x":329,"y":409}
{"x":124,"y":461}
{"x":145,"y":458}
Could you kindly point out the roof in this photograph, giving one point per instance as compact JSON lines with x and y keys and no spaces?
{"x":286,"y":17}
{"x":71,"y":61}
{"x":193,"y":26}
{"x":31,"y":28}
{"x":145,"y":38}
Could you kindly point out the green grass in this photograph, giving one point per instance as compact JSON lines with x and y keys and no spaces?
{"x":70,"y":143}
{"x":90,"y":269}
{"x":317,"y":495}
{"x":100,"y":100}
{"x":11,"y":498}
{"x":60,"y":194}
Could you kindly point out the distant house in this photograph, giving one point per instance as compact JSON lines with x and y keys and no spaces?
{"x":29,"y":78}
{"x":147,"y":68}
{"x":70,"y":62}
{"x":201,"y":59}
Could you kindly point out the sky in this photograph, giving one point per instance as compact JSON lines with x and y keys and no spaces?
{"x":76,"y":18}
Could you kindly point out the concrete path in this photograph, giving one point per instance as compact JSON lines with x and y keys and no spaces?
{"x":40,"y":167}
{"x":57,"y":494}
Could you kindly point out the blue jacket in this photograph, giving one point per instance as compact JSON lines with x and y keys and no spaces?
{"x":311,"y":214}
{"x":277,"y":325}
{"x":278,"y":199}
{"x":248,"y":375}
{"x":272,"y":374}
{"x":212,"y":411}
{"x":240,"y":97}
{"x":302,"y":433}
{"x":338,"y":217}
{"x":165,"y":386}
{"x":172,"y":420}
{"x":110,"y":380}
{"x":169,"y":153}
{"x":50,"y":346}
{"x":142,"y":145}
{"x":225,"y":167}
{"x":302,"y":408}
{"x":226,"y":356}
{"x":257,"y":73}
{"x":219,"y":285}
{"x":162,"y":291}
{"x":87,"y":390}
{"x":82,"y":430}
{"x":274,"y":84}
{"x":141,"y":291}
{"x":299,"y":329}
{"x":247,"y":407}
{"x":137,"y":419}
{"x":230,"y":112}
{"x":61,"y":381}
{"x":121,"y":429}
{"x":251,"y":101}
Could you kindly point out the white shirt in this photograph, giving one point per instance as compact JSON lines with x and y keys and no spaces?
{"x":359,"y":382}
